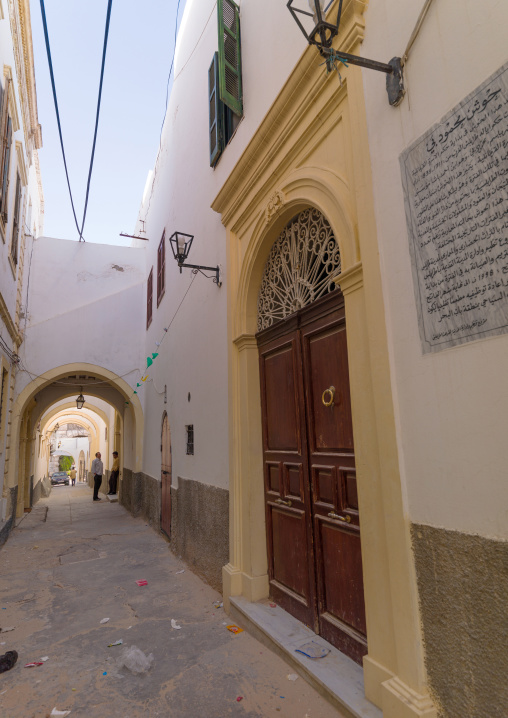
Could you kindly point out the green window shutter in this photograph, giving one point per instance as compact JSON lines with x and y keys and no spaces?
{"x":230,"y":57}
{"x":216,"y":109}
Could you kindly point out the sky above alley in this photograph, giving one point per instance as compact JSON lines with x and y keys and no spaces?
{"x":139,"y":54}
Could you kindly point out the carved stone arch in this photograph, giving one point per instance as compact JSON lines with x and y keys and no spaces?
{"x":303,"y":189}
{"x":302,"y":267}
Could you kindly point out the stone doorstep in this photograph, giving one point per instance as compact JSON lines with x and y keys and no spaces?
{"x":113,"y":498}
{"x":336,"y":677}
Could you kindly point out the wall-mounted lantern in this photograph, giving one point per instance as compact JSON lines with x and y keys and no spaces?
{"x":80,"y":400}
{"x":320,"y":30}
{"x":180,"y":246}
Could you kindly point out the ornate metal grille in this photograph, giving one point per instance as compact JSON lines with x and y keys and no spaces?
{"x":300,"y":268}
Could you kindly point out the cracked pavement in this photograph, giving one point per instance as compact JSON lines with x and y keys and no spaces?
{"x":72,"y":562}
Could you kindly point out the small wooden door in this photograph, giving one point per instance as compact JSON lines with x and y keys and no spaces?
{"x":166,"y":477}
{"x":313,"y":526}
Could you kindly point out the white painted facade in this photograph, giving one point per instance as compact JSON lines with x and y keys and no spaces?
{"x":450,"y":406}
{"x":178,"y":197}
{"x":18,"y":102}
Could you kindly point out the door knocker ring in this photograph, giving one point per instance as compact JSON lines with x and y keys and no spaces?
{"x":331,"y":392}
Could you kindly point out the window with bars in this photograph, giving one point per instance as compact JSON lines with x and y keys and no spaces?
{"x":161,"y":268}
{"x":149,"y":298}
{"x":225,"y":99}
{"x":190,"y":440}
{"x":15,"y":222}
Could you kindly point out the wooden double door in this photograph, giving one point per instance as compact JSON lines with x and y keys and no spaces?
{"x":166,"y":477}
{"x":312,"y":516}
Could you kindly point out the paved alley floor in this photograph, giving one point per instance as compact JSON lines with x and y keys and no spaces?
{"x":72,"y":562}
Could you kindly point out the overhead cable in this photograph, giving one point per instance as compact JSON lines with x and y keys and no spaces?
{"x":50,"y":62}
{"x":106,"y":33}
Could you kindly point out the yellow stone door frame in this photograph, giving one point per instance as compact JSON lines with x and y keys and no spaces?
{"x":278,"y":176}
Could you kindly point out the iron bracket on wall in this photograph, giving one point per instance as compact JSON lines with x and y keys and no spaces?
{"x":392,"y":69}
{"x":199,"y":268}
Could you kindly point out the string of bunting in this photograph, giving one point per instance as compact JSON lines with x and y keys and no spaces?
{"x":150,"y":359}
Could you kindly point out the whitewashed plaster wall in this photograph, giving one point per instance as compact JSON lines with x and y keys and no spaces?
{"x":31,"y":193}
{"x":193,"y":358}
{"x":85,"y":304}
{"x":450,"y":406}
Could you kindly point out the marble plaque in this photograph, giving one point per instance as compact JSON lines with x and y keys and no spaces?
{"x":455,"y":180}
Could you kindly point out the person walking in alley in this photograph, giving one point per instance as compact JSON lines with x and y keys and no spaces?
{"x":115,"y":470}
{"x":97,"y":471}
{"x":73,"y":476}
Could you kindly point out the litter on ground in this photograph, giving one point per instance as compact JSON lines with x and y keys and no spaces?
{"x":135,"y":660}
{"x":312,"y":650}
{"x":105,"y":620}
{"x":174,"y":624}
{"x":7,"y":661}
{"x":292,"y":677}
{"x":142,"y":582}
{"x":235,"y":629}
{"x":35,"y":663}
{"x":56,"y":712}
{"x":116,"y":643}
{"x":182,"y":571}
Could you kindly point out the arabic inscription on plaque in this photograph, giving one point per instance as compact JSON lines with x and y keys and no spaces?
{"x":455,"y":182}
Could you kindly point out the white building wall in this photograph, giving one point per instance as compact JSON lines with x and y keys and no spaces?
{"x":193,"y":356}
{"x":450,"y":406}
{"x":31,"y":212}
{"x":85,"y":304}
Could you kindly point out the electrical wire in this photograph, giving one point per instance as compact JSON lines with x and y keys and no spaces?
{"x":170,"y":69}
{"x":50,"y":62}
{"x":165,"y":111}
{"x":106,"y":33}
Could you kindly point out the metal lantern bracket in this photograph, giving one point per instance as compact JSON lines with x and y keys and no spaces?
{"x":322,"y":36}
{"x":180,"y":243}
{"x":199,"y":268}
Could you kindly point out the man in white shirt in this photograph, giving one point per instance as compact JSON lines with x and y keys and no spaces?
{"x":97,"y":471}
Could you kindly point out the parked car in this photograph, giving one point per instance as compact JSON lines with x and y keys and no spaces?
{"x":60,"y":477}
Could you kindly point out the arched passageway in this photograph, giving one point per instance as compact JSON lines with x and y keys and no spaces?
{"x":111,"y":414}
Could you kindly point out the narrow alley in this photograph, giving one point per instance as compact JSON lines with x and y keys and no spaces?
{"x":71,"y":563}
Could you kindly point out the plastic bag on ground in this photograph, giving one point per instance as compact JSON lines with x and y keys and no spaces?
{"x":135,"y":660}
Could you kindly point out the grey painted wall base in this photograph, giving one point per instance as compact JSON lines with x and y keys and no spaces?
{"x":10,"y":522}
{"x":463,"y":594}
{"x":200,"y":528}
{"x":141,"y":495}
{"x":42,"y":489}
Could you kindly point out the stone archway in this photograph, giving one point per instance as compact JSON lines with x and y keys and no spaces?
{"x":109,"y":387}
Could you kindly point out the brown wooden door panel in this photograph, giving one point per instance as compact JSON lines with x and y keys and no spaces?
{"x":282,"y":413}
{"x":342,"y":590}
{"x":312,"y":513}
{"x":340,"y":598}
{"x":287,"y":497}
{"x":331,"y":427}
{"x":166,"y":477}
{"x":290,"y":565}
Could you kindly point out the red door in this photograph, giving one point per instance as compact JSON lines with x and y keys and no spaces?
{"x":313,"y":525}
{"x":166,"y":477}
